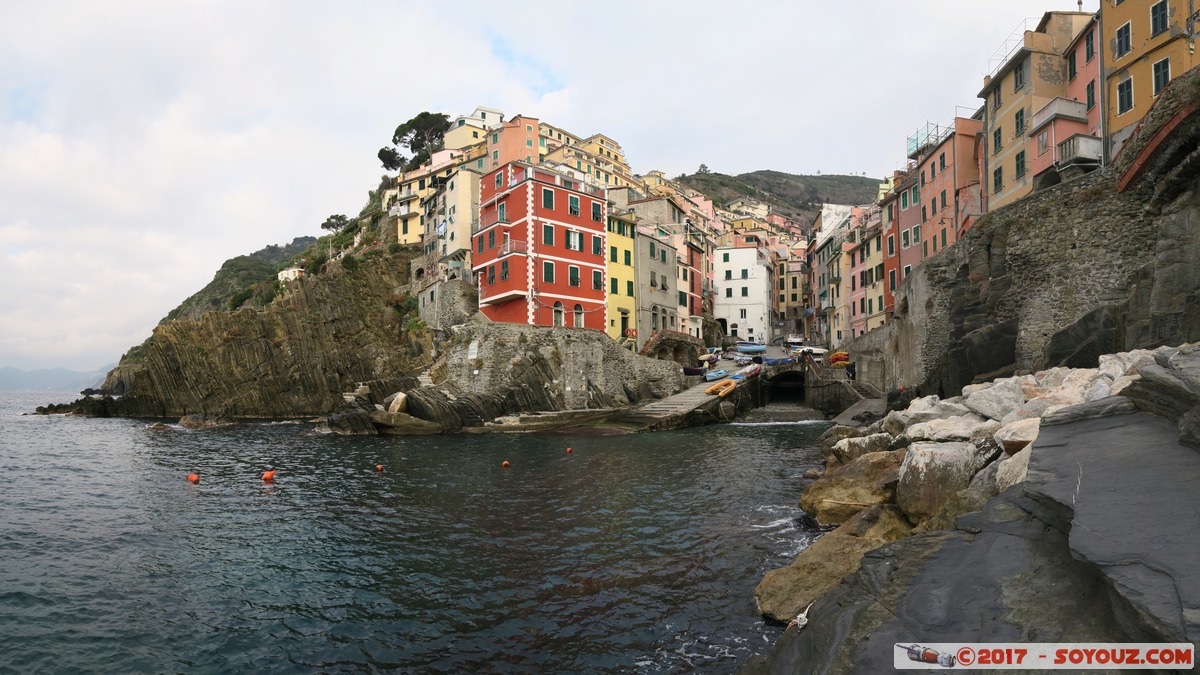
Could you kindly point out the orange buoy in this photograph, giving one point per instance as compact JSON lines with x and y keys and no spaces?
{"x":568,"y":451}
{"x":193,"y":478}
{"x":269,"y":476}
{"x":505,"y":464}
{"x":379,"y":467}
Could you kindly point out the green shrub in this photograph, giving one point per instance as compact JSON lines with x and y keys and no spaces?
{"x":240,"y":298}
{"x":349,"y":262}
{"x":393,"y":248}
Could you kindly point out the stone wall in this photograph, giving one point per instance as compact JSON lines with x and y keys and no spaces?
{"x":1067,"y":274}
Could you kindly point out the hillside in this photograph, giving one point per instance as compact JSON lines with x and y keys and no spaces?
{"x":238,"y":279}
{"x":798,"y":197}
{"x":49,"y":379}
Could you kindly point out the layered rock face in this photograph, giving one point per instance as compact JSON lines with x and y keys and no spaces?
{"x":1092,"y":537}
{"x":295,"y":357}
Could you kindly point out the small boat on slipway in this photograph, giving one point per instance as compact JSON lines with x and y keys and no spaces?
{"x":715,"y":375}
{"x":750,"y":347}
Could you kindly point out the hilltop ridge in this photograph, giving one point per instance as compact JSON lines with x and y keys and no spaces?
{"x":798,"y":197}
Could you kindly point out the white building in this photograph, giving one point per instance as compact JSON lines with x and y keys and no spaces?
{"x":742,"y":304}
{"x":290,"y":274}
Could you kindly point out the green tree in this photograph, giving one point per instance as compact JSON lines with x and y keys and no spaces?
{"x":335,"y":223}
{"x":422,"y":135}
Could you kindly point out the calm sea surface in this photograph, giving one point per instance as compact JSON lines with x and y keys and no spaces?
{"x":633,"y":553}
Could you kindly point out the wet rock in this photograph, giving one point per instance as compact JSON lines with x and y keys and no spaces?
{"x":848,"y":489}
{"x":352,"y":421}
{"x":785,"y":592}
{"x":812,"y":474}
{"x":1105,"y":407}
{"x":202,"y":421}
{"x":401,"y":424}
{"x":396,"y":403}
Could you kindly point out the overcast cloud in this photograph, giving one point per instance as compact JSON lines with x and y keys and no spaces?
{"x":144,"y":143}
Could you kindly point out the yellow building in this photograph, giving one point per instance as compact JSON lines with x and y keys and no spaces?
{"x":1034,"y":73}
{"x":622,"y":281}
{"x":1147,"y":43}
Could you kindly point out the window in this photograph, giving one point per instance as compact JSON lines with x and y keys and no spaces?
{"x":503,"y":270}
{"x":943,"y":237}
{"x":1124,"y":41}
{"x":579,"y":316}
{"x":1089,"y":45}
{"x":916,"y":196}
{"x":924,"y":214}
{"x":724,"y":257}
{"x":1019,"y":76}
{"x":904,"y":200}
{"x":654,"y":318}
{"x":782,"y":283}
{"x":558,"y":314}
{"x":612,"y":285}
{"x":480,"y":242}
{"x":548,"y":272}
{"x":1091,"y":94}
{"x":922,"y":179}
{"x":491,"y":274}
{"x":1124,"y":97}
{"x":907,"y":270}
{"x":925,"y":249}
{"x":997,"y":141}
{"x":499,"y":179}
{"x":492,"y":238}
{"x":682,"y":299}
{"x":653,"y":280}
{"x":996,"y":99}
{"x":1158,"y":17}
{"x":502,"y":213}
{"x":998,"y":180}
{"x":597,"y":245}
{"x":891,"y":245}
{"x":933,"y":206}
{"x":1043,"y":142}
{"x":652,"y":249}
{"x":932,"y":171}
{"x":1019,"y":121}
{"x":892,"y":280}
{"x":529,"y":142}
{"x":628,"y":257}
{"x":547,"y":234}
{"x":729,"y":292}
{"x":629,"y":288}
{"x":745,"y":274}
{"x":1162,"y":74}
{"x":596,"y":211}
{"x":574,"y":240}
{"x":612,"y":254}
{"x":904,"y":241}
{"x":943,"y":199}
{"x":1019,"y":170}
{"x":728,"y":274}
{"x":598,"y":279}
{"x":916,"y":234}
{"x":572,"y":275}
{"x":942,"y":161}
{"x":1071,"y":70}
{"x":745,"y":292}
{"x":573,"y":205}
{"x":662,"y":254}
{"x":548,"y":198}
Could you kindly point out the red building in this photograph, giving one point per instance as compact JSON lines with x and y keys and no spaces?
{"x":538,"y":249}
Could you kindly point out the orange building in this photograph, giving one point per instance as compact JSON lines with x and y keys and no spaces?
{"x":513,"y":141}
{"x":949,"y":179}
{"x":1066,"y":132}
{"x":539,"y":249}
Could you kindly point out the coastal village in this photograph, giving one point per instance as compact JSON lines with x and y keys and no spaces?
{"x":554,"y":228}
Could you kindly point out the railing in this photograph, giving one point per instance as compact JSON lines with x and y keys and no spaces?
{"x":510,"y":247}
{"x":476,"y":228}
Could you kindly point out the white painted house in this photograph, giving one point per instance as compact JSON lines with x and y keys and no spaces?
{"x":742,"y":304}
{"x":290,"y":274}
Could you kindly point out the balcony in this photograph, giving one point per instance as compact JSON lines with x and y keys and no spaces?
{"x":491,"y":295}
{"x":476,"y":228}
{"x":1058,"y":108}
{"x":1080,"y":149}
{"x":513,"y":248}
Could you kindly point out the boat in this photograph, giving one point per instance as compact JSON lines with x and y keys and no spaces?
{"x":743,"y":360}
{"x":779,"y":362}
{"x":793,"y":341}
{"x":708,"y":357}
{"x":817,"y":354}
{"x":687,"y":370}
{"x":714,"y":375}
{"x":721,"y":388}
{"x":751,"y":347}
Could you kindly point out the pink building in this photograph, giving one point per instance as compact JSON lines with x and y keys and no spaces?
{"x":949,"y":176}
{"x":858,"y":264}
{"x":1066,"y":131}
{"x":513,"y":141}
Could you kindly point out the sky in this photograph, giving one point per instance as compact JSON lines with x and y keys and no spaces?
{"x":143,"y":143}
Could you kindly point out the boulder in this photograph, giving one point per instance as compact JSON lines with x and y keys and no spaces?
{"x":849,"y":449}
{"x":1038,"y":407}
{"x":1105,"y":407}
{"x":352,"y":421}
{"x":848,"y":489}
{"x":834,"y":434}
{"x":402,"y":424}
{"x":931,"y":472}
{"x":981,"y":488}
{"x":397,"y":402}
{"x":984,"y":432}
{"x":997,"y":401}
{"x":1185,"y":365}
{"x":1125,"y":363}
{"x":1012,"y":470}
{"x":1013,"y":437}
{"x":1160,"y":392}
{"x":1123,"y":382}
{"x":783,"y":593}
{"x":957,"y":428}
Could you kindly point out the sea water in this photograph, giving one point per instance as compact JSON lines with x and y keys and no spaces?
{"x":631,"y":553}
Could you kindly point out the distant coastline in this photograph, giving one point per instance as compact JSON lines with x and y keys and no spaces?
{"x":51,"y":379}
